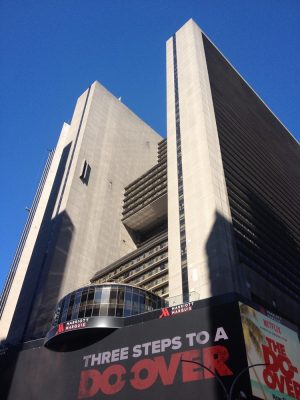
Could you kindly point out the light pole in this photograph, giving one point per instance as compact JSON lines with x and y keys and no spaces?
{"x":239,"y":375}
{"x":229,"y":395}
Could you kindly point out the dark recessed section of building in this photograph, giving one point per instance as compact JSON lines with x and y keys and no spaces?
{"x":261,"y":165}
{"x":145,"y":205}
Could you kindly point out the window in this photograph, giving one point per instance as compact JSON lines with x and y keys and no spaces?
{"x":85,"y":172}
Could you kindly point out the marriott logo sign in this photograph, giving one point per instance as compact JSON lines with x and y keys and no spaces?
{"x":169,"y":311}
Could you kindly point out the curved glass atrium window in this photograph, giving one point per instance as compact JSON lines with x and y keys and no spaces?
{"x":115,"y":300}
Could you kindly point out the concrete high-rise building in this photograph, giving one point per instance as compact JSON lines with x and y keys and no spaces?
{"x":233,"y":190}
{"x":239,"y":171}
{"x":76,"y":224}
{"x":212,"y":209}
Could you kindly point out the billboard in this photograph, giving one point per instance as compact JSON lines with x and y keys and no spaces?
{"x":151,"y":359}
{"x":272,"y":341}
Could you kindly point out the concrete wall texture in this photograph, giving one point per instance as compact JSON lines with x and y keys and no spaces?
{"x":207,"y":213}
{"x":233,"y":194}
{"x":82,"y":231}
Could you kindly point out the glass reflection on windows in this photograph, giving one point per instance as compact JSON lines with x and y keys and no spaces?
{"x":105,"y":300}
{"x":128,"y":302}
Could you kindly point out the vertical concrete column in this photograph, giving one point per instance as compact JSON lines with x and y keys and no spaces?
{"x":209,"y":241}
{"x":175,"y":276}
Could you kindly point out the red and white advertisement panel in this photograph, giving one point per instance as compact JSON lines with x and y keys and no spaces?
{"x":271,"y":341}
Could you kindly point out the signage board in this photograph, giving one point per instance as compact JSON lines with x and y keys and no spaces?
{"x":151,"y":359}
{"x":272,"y":341}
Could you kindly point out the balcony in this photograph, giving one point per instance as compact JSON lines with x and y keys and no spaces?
{"x":146,"y":216}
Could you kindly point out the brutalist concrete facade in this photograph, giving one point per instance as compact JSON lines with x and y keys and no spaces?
{"x":216,"y":212}
{"x":261,"y":162}
{"x":78,"y":225}
{"x":233,"y":183}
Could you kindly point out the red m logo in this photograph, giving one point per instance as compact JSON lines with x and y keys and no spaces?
{"x":164,"y":313}
{"x":60,"y":329}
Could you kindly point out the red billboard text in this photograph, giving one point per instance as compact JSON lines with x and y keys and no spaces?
{"x":149,"y":371}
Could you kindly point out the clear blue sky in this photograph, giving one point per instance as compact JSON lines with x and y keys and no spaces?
{"x":52,"y":50}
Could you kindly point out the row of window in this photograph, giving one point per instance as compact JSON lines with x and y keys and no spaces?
{"x":138,"y":270}
{"x":162,"y":154}
{"x":159,"y":177}
{"x":262,"y":238}
{"x":163,"y":149}
{"x":256,"y":154}
{"x":253,"y":259}
{"x":157,"y":281}
{"x":137,"y":260}
{"x":153,"y":271}
{"x":136,"y":185}
{"x":264,"y":184}
{"x":185,"y":288}
{"x":106,"y":300}
{"x":132,"y":202}
{"x":147,"y":201}
{"x":269,"y":263}
{"x":264,"y":229}
{"x":125,"y":278}
{"x":162,"y":144}
{"x":163,"y":290}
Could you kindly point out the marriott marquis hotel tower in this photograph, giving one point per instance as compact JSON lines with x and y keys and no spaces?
{"x":212,"y":209}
